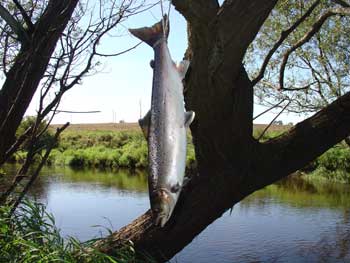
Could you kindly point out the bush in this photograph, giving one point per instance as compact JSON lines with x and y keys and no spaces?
{"x":333,"y":165}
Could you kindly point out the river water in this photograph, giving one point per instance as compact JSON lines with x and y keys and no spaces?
{"x":291,"y":221}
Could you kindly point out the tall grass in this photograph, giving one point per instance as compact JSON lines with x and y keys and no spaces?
{"x":32,"y":237}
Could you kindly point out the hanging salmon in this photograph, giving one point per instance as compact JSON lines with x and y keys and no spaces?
{"x":165,"y":125}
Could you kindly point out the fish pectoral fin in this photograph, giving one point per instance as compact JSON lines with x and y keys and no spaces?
{"x":145,"y":123}
{"x":182,"y":68}
{"x":151,"y":63}
{"x":189,"y":117}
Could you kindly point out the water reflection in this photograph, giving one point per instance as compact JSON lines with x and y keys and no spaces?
{"x":293,"y":220}
{"x":134,"y":180}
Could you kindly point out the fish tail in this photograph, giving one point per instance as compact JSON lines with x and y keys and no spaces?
{"x":151,"y":35}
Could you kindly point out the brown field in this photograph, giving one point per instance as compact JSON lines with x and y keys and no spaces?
{"x":101,"y":126}
{"x":133,"y":126}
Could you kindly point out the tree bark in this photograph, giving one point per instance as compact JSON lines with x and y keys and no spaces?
{"x":30,"y":64}
{"x":231,"y":163}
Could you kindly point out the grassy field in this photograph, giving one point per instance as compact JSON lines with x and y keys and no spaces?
{"x":115,"y":145}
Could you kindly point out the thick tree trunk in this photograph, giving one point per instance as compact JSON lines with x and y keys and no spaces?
{"x":29,"y":67}
{"x":231,"y":164}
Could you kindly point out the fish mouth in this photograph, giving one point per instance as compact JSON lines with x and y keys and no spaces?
{"x":161,"y":207}
{"x":161,"y":219}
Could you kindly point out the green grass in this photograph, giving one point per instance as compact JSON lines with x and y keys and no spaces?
{"x":267,"y":135}
{"x":32,"y":237}
{"x":103,"y":149}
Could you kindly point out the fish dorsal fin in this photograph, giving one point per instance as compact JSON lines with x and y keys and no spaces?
{"x":145,"y":123}
{"x":189,"y":117}
{"x":182,"y":68}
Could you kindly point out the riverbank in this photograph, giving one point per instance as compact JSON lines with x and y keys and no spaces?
{"x":113,"y":146}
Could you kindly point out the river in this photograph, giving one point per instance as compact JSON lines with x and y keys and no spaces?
{"x":291,"y":221}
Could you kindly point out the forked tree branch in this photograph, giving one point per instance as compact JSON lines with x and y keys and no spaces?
{"x":269,"y":109}
{"x":283,"y":36}
{"x":269,"y":125}
{"x":14,"y":24}
{"x":35,"y":175}
{"x":25,"y":16}
{"x":314,"y":29}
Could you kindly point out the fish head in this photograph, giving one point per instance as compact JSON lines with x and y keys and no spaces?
{"x":162,"y":206}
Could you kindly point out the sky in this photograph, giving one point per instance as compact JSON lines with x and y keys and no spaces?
{"x":125,"y":81}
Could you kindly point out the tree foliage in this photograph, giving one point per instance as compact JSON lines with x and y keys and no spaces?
{"x":308,"y":75}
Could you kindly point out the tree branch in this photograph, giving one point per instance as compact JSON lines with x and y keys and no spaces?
{"x":35,"y":174}
{"x":26,"y":18}
{"x":235,"y":35}
{"x":314,"y":29}
{"x":119,"y":53}
{"x":342,"y":3}
{"x":313,"y":136}
{"x":267,"y":110}
{"x":14,"y":147}
{"x":14,"y":24}
{"x":197,"y":10}
{"x":283,"y":36}
{"x":269,"y":125}
{"x":307,"y":86}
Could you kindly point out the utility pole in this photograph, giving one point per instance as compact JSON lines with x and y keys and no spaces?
{"x":114,"y":116}
{"x":140,"y":109}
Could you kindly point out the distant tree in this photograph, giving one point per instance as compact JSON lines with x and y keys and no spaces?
{"x":277,"y":122}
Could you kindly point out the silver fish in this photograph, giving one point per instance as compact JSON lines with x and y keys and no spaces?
{"x":165,"y":125}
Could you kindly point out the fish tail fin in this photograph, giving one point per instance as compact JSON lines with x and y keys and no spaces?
{"x":151,"y":35}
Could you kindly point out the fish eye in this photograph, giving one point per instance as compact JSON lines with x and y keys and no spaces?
{"x":175,"y":188}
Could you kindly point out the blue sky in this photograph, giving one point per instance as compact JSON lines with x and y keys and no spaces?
{"x":127,"y":79}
